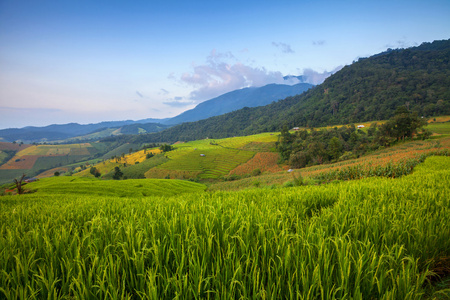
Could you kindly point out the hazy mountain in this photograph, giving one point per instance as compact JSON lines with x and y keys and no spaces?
{"x":55,"y":132}
{"x":246,"y":97}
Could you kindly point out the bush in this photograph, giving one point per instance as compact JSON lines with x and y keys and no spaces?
{"x":256,"y":172}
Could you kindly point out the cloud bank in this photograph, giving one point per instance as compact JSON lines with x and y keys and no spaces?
{"x":218,"y":76}
{"x":314,"y":77}
{"x":223,"y":73}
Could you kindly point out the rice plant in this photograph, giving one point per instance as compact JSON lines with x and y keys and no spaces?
{"x":376,"y":238}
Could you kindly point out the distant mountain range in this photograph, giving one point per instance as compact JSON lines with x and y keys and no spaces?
{"x":246,"y":97}
{"x":235,"y":100}
{"x":68,"y":132}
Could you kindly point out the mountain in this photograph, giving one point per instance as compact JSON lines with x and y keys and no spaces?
{"x":246,"y":97}
{"x":55,"y":132}
{"x":369,"y":89}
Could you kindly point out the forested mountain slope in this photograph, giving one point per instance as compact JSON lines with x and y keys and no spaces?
{"x":369,"y":89}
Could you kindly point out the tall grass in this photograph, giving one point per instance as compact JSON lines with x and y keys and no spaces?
{"x":401,"y":168}
{"x":377,"y":238}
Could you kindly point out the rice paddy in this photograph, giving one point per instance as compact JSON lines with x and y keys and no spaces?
{"x":376,"y":238}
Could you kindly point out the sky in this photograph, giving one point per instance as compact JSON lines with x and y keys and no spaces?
{"x":88,"y":61}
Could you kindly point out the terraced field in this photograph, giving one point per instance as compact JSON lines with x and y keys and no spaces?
{"x":208,"y":159}
{"x":26,"y":158}
{"x":33,"y":160}
{"x":65,"y":185}
{"x":380,"y":158}
{"x":129,"y":160}
{"x":206,"y":163}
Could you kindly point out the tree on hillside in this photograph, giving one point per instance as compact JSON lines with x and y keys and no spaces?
{"x":19,"y":184}
{"x":117,"y":173}
{"x":284,"y":144}
{"x":403,"y":124}
{"x":94,"y":171}
{"x":166,"y":148}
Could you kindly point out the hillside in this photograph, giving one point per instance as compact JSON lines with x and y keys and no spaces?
{"x":17,"y":159}
{"x":256,"y":157}
{"x":369,"y":89}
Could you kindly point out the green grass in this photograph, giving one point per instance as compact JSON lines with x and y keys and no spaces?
{"x":121,"y":149}
{"x":5,"y":156}
{"x":89,"y":186}
{"x":375,"y":238}
{"x":440,"y":128}
{"x":7,"y":176}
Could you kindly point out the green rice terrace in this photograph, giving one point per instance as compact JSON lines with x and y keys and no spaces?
{"x":375,"y":238}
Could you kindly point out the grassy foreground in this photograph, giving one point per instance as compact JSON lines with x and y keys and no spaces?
{"x":376,"y":238}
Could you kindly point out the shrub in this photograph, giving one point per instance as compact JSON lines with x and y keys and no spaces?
{"x":256,"y":172}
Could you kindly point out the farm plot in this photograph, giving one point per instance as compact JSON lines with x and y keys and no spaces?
{"x":380,"y":158}
{"x":20,"y":162}
{"x":132,"y":165}
{"x":12,"y":146}
{"x":206,"y":163}
{"x":241,"y":141}
{"x":264,"y":161}
{"x":439,"y":128}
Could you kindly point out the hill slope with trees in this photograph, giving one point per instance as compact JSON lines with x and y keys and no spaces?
{"x":369,"y":89}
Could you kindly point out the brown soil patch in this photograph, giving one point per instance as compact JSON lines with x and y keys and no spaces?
{"x":19,"y":163}
{"x":265,"y":161}
{"x":11,"y":146}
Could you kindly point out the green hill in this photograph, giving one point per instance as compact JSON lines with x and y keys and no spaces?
{"x":369,"y":89}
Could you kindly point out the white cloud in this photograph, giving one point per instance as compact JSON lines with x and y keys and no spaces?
{"x":314,"y":77}
{"x":218,"y":76}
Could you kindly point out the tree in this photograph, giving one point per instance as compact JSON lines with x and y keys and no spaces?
{"x":19,"y":184}
{"x":94,"y":171}
{"x":284,"y":145}
{"x":334,"y":148}
{"x":117,"y":173}
{"x":166,"y":148}
{"x":56,"y":173}
{"x":405,"y":124}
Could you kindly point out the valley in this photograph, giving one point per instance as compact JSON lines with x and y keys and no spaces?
{"x":339,"y":192}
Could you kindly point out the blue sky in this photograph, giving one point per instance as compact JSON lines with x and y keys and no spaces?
{"x":89,"y":61}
